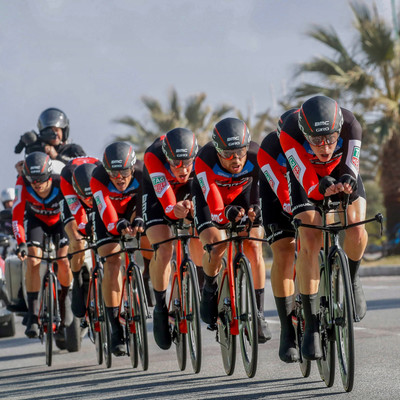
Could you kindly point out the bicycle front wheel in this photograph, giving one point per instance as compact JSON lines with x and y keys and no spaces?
{"x":247,"y":315}
{"x":343,"y":314}
{"x":48,"y":316}
{"x":94,"y":317}
{"x":226,"y":340}
{"x":137,"y":325}
{"x":105,"y":327}
{"x":192,"y":312}
{"x":326,"y":364}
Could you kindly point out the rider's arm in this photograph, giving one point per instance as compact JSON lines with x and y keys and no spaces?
{"x":213,"y":197}
{"x":162,"y":188}
{"x":19,"y":211}
{"x":104,"y":204}
{"x":301,"y":166}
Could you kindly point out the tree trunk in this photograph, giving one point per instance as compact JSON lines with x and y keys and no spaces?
{"x":390,"y":183}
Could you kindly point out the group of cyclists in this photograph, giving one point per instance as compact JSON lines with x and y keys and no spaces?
{"x":314,"y":152}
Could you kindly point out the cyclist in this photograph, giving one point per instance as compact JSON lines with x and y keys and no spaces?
{"x":322,"y":145}
{"x":226,"y":190}
{"x":167,"y":193}
{"x":75,"y":208}
{"x":37,"y":201}
{"x":276,"y":214}
{"x":7,"y":198}
{"x":117,"y":190}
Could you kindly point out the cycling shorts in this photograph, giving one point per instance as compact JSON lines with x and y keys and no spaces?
{"x":35,"y":230}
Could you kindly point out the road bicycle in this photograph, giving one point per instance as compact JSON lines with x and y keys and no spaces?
{"x":133,"y":309}
{"x":184,"y":299}
{"x":237,"y":308}
{"x":337,"y":306}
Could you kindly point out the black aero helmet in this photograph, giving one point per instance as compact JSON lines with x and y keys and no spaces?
{"x":320,"y":116}
{"x":179,"y":144}
{"x":37,"y":167}
{"x":230,"y":133}
{"x":81,"y":179}
{"x":282,"y":119}
{"x":118,"y":156}
{"x":53,"y":117}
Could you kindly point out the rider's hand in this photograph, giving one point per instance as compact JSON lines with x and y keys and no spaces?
{"x":254,"y":212}
{"x":19,"y":167}
{"x":182,"y":208}
{"x":124,"y":227}
{"x":349,"y":183}
{"x":22,"y":251}
{"x":137,"y":226}
{"x":328,"y":186}
{"x":51,"y":151}
{"x":234,"y":213}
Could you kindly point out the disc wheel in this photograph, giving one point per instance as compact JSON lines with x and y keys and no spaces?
{"x":192,"y":312}
{"x":48,"y":317}
{"x":137,"y":336}
{"x":94,"y":320}
{"x":326,"y":364}
{"x":343,"y":314}
{"x":226,"y":340}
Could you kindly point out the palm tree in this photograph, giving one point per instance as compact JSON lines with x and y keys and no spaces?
{"x":195,"y":116}
{"x":366,"y":79}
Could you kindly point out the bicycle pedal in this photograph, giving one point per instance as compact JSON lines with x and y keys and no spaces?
{"x":84,"y":324}
{"x":212,"y":327}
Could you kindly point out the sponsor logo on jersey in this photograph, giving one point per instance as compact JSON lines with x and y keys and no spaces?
{"x":295,"y":167}
{"x":205,"y":188}
{"x":110,"y":226}
{"x":73,"y":203}
{"x":160,"y":184}
{"x":355,"y":160}
{"x":269,"y":179}
{"x":101,"y":204}
{"x":217,"y":218}
{"x":169,"y":209}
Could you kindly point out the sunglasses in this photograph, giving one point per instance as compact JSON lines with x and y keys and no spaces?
{"x":181,"y":163}
{"x":322,"y":140}
{"x":230,"y":154}
{"x":124,"y":173}
{"x":37,"y":179}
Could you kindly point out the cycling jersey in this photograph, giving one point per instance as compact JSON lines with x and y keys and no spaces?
{"x":221,"y":187}
{"x":306,"y":166}
{"x":27,"y":200}
{"x":158,"y":171}
{"x":272,"y":162}
{"x":77,"y":208}
{"x":113,"y":204}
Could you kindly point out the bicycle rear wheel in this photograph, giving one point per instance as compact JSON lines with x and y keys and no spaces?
{"x":94,"y":320}
{"x":326,"y":364}
{"x":305,"y":365}
{"x":192,"y":310}
{"x":343,"y":314}
{"x":48,"y":316}
{"x":226,"y":340}
{"x":105,"y":327}
{"x":138,"y":335}
{"x":247,"y":314}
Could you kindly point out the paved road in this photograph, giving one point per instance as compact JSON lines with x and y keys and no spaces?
{"x":24,"y":375}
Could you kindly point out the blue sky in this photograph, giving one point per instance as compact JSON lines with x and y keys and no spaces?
{"x":95,"y":59}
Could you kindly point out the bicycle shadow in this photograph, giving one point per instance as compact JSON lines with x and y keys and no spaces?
{"x":383,"y":304}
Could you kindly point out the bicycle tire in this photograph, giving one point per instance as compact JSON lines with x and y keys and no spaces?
{"x":174,"y":317}
{"x":137,"y":304}
{"x":246,"y":308}
{"x":105,"y":327}
{"x":192,"y":312}
{"x":326,"y":364}
{"x":49,"y":316}
{"x":94,"y":317}
{"x":343,"y":314}
{"x":226,"y":340}
{"x":305,"y":365}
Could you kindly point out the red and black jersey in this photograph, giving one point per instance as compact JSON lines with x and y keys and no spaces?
{"x":273,"y":164}
{"x":77,"y":207}
{"x":306,"y":166}
{"x":113,"y":204}
{"x":27,"y":200}
{"x":219,"y":186}
{"x":158,"y":170}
